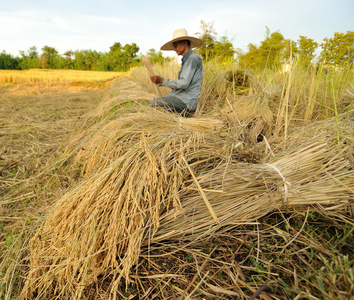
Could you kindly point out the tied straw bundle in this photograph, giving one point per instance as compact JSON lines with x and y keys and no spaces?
{"x":240,"y":193}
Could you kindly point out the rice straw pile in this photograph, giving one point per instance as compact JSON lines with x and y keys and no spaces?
{"x":252,"y":114}
{"x":120,"y":135}
{"x":154,"y":177}
{"x":98,"y":227}
{"x":241,"y":193}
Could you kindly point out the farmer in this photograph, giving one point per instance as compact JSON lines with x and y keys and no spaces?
{"x":186,"y":89}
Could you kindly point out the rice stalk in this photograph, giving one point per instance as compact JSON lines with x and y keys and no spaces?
{"x":168,"y":69}
{"x":284,"y":102}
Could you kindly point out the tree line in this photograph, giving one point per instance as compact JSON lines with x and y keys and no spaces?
{"x":273,"y":51}
{"x":119,"y":58}
{"x":276,"y":50}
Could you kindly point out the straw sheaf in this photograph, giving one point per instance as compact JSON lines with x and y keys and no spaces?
{"x":99,"y":226}
{"x":241,"y":193}
{"x":122,"y":134}
{"x":251,"y":113}
{"x":148,"y":194}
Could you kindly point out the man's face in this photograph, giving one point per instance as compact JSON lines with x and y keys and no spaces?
{"x":180,"y":47}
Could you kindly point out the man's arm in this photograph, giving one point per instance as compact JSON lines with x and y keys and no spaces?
{"x":185,"y":77}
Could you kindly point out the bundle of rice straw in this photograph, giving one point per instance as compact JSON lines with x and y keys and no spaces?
{"x":239,"y":193}
{"x":97,"y":229}
{"x":118,"y":136}
{"x":149,"y":194}
{"x":252,"y":112}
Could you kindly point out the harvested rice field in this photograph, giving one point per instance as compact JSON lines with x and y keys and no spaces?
{"x":103,"y":197}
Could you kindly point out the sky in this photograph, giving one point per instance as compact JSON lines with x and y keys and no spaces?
{"x":98,"y":24}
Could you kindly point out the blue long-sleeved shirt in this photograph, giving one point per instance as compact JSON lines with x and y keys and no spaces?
{"x":188,"y":85}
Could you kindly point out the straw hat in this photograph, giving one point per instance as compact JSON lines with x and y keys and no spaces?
{"x":180,"y":35}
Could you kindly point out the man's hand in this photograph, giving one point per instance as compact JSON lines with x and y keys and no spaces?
{"x":156,"y":79}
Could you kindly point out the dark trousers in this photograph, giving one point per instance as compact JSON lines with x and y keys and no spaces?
{"x":173,"y":104}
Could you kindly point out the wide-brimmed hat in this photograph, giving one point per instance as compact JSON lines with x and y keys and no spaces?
{"x":180,"y":35}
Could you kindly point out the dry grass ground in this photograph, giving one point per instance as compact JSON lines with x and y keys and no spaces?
{"x":106,"y":198}
{"x":36,"y":120}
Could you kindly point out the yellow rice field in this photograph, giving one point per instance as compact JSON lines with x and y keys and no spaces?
{"x":38,"y":75}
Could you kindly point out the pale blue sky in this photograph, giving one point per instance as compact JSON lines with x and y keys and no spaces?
{"x":97,"y":25}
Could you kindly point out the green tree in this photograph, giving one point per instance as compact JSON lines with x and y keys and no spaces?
{"x":155,"y":56}
{"x":32,"y":52}
{"x":122,"y":58}
{"x":273,"y":51}
{"x":8,"y":62}
{"x":131,"y":53}
{"x":87,"y":60}
{"x":119,"y":58}
{"x":79,"y":60}
{"x":224,"y":49}
{"x":44,"y":61}
{"x":69,"y":54}
{"x":67,"y":61}
{"x":289,"y":47}
{"x":307,"y":49}
{"x":103,"y":62}
{"x":115,"y":57}
{"x":272,"y":48}
{"x":252,"y":58}
{"x":50,"y":51}
{"x":213,"y":48}
{"x":50,"y":54}
{"x":91,"y":59}
{"x":208,"y":36}
{"x":339,"y":49}
{"x":29,"y":59}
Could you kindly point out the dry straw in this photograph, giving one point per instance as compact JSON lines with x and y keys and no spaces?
{"x":99,"y":226}
{"x":146,"y":61}
{"x":239,"y":193}
{"x":139,"y":189}
{"x":112,"y":140}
